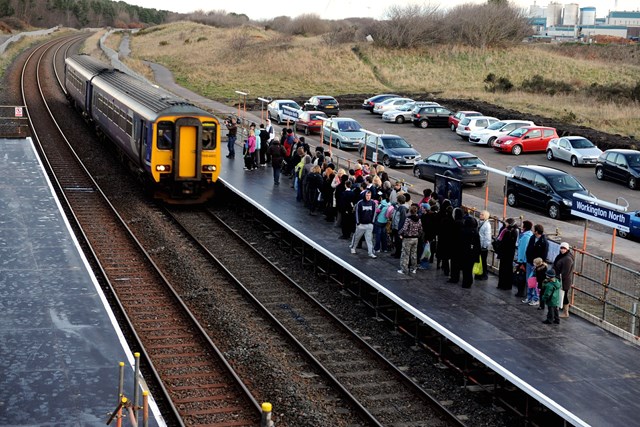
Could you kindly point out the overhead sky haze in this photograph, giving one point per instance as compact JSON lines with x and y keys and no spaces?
{"x":338,"y":9}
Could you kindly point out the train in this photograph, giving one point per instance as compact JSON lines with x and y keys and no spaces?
{"x":172,"y":144}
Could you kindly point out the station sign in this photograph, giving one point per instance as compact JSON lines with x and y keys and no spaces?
{"x":601,"y":214}
{"x":18,"y":112}
{"x":290,"y":113}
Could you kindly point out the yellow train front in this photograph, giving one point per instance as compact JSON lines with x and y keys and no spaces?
{"x":173,"y":144}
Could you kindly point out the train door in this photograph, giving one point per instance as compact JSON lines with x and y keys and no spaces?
{"x":187,"y":159}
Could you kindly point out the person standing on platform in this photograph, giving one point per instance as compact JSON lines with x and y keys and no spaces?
{"x":232,"y":127}
{"x":551,"y":297}
{"x":397,"y":222}
{"x":314,"y":188}
{"x":540,"y":274}
{"x":563,"y":266}
{"x":537,"y":247}
{"x":409,"y":235}
{"x":276,"y":154}
{"x":484,"y":230}
{"x":456,"y":253}
{"x":445,"y":244}
{"x":250,"y":150}
{"x":523,"y":242}
{"x":264,"y":145}
{"x":470,"y":249}
{"x":508,"y":238}
{"x":365,"y":211}
{"x":258,"y":148}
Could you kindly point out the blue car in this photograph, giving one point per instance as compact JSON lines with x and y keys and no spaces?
{"x":634,"y":226}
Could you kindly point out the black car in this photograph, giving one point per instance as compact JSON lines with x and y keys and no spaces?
{"x":430,"y":115}
{"x":369,"y":103}
{"x":542,"y":187}
{"x":390,"y":150}
{"x":456,"y":164}
{"x":620,"y":165}
{"x":326,"y":104}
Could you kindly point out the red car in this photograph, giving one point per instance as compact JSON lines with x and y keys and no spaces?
{"x":525,"y":139}
{"x":309,"y":121}
{"x":455,"y":119}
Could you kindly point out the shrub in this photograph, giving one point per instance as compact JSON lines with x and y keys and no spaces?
{"x":540,"y":85}
{"x":163,"y":43}
{"x":497,"y":84}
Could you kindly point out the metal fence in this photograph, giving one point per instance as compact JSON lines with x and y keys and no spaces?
{"x":13,"y":122}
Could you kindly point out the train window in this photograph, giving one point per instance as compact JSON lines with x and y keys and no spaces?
{"x":165,"y":136}
{"x":209,"y":136}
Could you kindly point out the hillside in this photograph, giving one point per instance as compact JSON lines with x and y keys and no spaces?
{"x":217,"y":62}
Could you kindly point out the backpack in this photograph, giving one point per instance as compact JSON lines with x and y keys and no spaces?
{"x":389,"y":213}
{"x":382,"y":217}
{"x":399,"y":215}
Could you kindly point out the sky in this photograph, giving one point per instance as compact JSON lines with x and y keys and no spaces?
{"x":338,"y":9}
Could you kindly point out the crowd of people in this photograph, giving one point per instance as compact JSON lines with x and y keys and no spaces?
{"x":371,"y":209}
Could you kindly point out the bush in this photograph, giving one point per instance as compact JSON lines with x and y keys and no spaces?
{"x":538,"y":84}
{"x":497,"y":84}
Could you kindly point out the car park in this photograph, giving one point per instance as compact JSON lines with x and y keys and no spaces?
{"x":576,"y":150}
{"x":310,"y":121}
{"x":369,"y":103}
{"x":326,"y":104}
{"x":634,"y":226}
{"x":456,"y":164}
{"x":491,"y":133}
{"x":276,"y":112}
{"x":343,"y":133}
{"x":403,"y":114}
{"x":542,"y":187}
{"x":390,"y":104}
{"x":526,"y":139}
{"x":620,"y":165}
{"x":390,"y":150}
{"x":430,"y":115}
{"x":455,"y":119}
{"x":469,"y":124}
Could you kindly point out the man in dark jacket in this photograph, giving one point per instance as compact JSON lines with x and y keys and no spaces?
{"x":277,"y":154}
{"x":563,"y":266}
{"x":365,"y":211}
{"x":538,"y":246}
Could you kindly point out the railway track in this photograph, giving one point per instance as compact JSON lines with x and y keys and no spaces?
{"x":383,"y":392}
{"x":198,"y":382}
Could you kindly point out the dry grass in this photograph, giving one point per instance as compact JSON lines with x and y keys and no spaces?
{"x":216,"y":62}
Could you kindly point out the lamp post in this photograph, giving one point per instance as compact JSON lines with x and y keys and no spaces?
{"x":262,"y":102}
{"x":243,"y":102}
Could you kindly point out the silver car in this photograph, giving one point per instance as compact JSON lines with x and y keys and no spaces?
{"x":576,"y":150}
{"x":403,"y":114}
{"x":471,"y":123}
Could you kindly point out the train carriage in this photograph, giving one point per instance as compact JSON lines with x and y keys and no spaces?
{"x":175,"y":144}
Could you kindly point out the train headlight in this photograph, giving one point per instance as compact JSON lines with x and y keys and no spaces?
{"x":163,"y":168}
{"x":209,"y":168}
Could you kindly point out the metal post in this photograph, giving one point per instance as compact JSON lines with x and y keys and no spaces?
{"x":145,"y":408}
{"x":266,"y":415}
{"x":136,"y":384}
{"x":123,"y":402}
{"x":120,"y":380}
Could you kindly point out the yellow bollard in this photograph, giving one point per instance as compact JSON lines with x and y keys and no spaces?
{"x":266,"y":415}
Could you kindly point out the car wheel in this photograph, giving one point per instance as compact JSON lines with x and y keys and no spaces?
{"x":623,"y":234}
{"x":574,"y":161}
{"x":338,"y":144}
{"x":453,"y":128}
{"x":516,"y":150}
{"x":553,"y":211}
{"x":424,"y":124}
{"x":549,"y":155}
{"x":306,"y":130}
{"x":491,"y":140}
{"x":400,"y":120}
{"x":481,"y":183}
{"x":632,"y":183}
{"x":386,"y":162}
{"x":600,"y":173}
{"x":511,"y":199}
{"x":417,"y":173}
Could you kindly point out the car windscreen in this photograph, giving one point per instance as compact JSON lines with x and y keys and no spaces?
{"x":349,"y":126}
{"x":469,"y":161}
{"x":496,"y":126}
{"x":581,"y":143}
{"x":395,"y":143}
{"x":562,"y":183}
{"x":518,"y":132}
{"x":406,"y":107}
{"x":315,"y":116}
{"x":634,"y":161}
{"x":465,"y":121}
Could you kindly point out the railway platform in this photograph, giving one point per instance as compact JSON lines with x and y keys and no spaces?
{"x":60,"y":344}
{"x":583,"y":373}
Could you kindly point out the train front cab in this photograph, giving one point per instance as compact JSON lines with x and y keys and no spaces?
{"x":185,"y":158}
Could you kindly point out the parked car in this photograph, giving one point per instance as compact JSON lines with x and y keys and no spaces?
{"x":457,"y":164}
{"x":491,"y":133}
{"x":276,"y":112}
{"x":455,"y":119}
{"x":309,"y":121}
{"x":343,"y":133}
{"x":430,"y":115}
{"x":403,"y":114}
{"x":369,"y":103}
{"x":469,"y":124}
{"x":390,"y":104}
{"x":525,"y":140}
{"x":544,"y":188}
{"x":390,"y":150}
{"x":620,"y":165}
{"x":326,"y":104}
{"x":577,"y":150}
{"x":634,"y":226}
